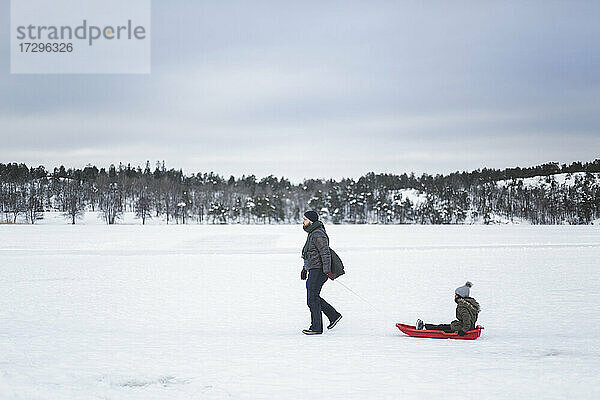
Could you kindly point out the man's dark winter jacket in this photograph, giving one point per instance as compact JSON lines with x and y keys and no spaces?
{"x":467,"y":310}
{"x":316,"y":252}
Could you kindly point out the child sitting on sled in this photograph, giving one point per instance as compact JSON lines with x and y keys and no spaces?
{"x":467,"y":310}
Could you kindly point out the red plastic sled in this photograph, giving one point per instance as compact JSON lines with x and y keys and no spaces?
{"x":410,"y":330}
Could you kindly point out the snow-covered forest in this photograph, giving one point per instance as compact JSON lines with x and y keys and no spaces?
{"x":544,"y":194}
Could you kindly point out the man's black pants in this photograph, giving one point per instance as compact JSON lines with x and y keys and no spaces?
{"x":314,"y":283}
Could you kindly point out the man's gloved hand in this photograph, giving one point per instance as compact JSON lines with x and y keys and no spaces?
{"x":462,"y":333}
{"x":303,"y":274}
{"x":331,"y":275}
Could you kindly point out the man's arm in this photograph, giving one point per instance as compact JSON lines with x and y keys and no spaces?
{"x":322,"y":245}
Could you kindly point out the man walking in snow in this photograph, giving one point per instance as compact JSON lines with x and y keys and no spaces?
{"x":317,"y":265}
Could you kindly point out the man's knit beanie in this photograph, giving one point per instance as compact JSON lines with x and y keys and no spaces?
{"x":312,"y":215}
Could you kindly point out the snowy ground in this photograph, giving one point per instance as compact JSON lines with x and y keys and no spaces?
{"x":215,"y":312}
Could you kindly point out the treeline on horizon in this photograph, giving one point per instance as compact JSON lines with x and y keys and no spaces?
{"x":173,"y":197}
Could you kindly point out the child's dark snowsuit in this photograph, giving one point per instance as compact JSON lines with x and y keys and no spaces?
{"x":467,"y":310}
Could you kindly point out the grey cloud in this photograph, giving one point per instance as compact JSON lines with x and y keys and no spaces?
{"x":392,"y":86}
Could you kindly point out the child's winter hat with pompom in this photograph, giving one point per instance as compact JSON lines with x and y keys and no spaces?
{"x":463,"y":291}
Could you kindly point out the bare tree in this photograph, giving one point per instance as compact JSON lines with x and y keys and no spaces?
{"x":142,"y":209}
{"x":32,"y":203}
{"x":110,"y":201}
{"x":74,"y":200}
{"x":16,"y":205}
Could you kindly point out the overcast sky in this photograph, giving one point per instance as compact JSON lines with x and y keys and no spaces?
{"x":326,"y":89}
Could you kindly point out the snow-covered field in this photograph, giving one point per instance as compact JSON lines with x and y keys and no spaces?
{"x":215,"y":312}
